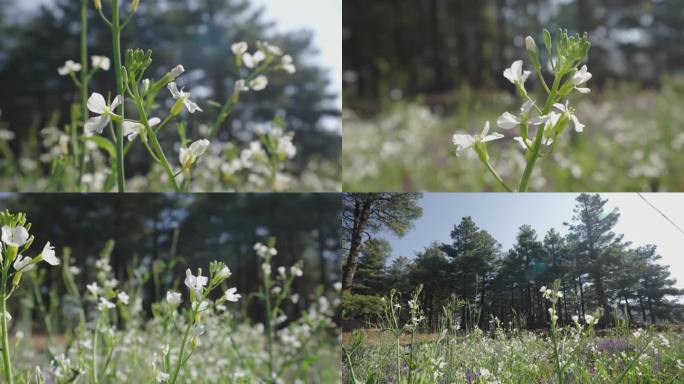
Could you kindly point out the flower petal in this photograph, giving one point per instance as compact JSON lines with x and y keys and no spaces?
{"x":96,"y":124}
{"x":96,"y":103}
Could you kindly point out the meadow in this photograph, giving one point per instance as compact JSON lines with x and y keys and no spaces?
{"x":107,"y":327}
{"x":399,"y":348}
{"x":632,"y":142}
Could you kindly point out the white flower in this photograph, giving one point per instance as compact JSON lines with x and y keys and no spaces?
{"x":183,"y":97}
{"x":23,"y":264}
{"x":296,"y":271}
{"x":189,"y":156}
{"x":575,"y":318}
{"x":259,"y":83}
{"x":162,"y":377}
{"x":239,"y":48}
{"x":196,"y":283}
{"x":100,"y":62}
{"x":15,"y":237}
{"x":272,"y":49}
{"x":69,"y":67}
{"x":105,"y":304}
{"x":565,"y":108}
{"x":580,"y":77}
{"x":200,"y":306}
{"x":288,"y":64}
{"x":266,"y":268}
{"x":49,"y":254}
{"x":232,"y":295}
{"x":123,"y":297}
{"x":515,"y":74}
{"x":94,"y":289}
{"x":508,"y":120}
{"x":74,"y":270}
{"x":173,"y":298}
{"x":282,"y":271}
{"x":337,"y":286}
{"x":530,"y":45}
{"x":224,"y":273}
{"x":97,"y":104}
{"x":133,"y":129}
{"x":463,"y":142}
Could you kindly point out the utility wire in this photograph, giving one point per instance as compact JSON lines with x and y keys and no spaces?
{"x":661,"y":213}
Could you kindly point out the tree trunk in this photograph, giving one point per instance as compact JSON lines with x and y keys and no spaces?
{"x":361,"y":216}
{"x":581,"y":296}
{"x":643,"y":308}
{"x":650,"y":310}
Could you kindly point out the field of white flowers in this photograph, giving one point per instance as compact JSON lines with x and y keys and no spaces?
{"x":88,"y":154}
{"x":198,"y":333}
{"x":397,"y":351}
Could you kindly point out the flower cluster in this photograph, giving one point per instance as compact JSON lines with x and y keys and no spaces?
{"x":549,"y":119}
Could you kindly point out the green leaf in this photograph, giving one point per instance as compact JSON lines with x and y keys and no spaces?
{"x":103,"y":143}
{"x":214,"y":103}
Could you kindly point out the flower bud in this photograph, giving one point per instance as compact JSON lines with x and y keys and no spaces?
{"x":530,"y":45}
{"x":134,"y":5}
{"x":98,"y":4}
{"x":177,"y":71}
{"x":145,"y":86}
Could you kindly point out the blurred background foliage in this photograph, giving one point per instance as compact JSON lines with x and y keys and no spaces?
{"x":434,"y":67}
{"x":208,"y":227}
{"x":197,"y":34}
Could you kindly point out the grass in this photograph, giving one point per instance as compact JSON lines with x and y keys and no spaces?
{"x":511,"y":356}
{"x":633,"y":142}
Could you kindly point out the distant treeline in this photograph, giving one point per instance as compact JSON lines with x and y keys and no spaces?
{"x":425,"y":46}
{"x":600,"y":274}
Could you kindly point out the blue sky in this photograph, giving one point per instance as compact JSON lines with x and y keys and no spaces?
{"x":502,"y":214}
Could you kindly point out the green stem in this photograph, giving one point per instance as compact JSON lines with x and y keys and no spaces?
{"x":536,"y":146}
{"x":191,"y":322}
{"x":84,"y":87}
{"x":93,"y":361}
{"x":7,"y":365}
{"x":497,"y":177}
{"x":116,"y":43}
{"x":269,"y":323}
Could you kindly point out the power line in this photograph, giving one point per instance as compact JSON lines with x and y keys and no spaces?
{"x":661,"y":213}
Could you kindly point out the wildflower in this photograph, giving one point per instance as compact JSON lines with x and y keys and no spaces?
{"x":565,"y":108}
{"x":162,"y":376}
{"x":97,"y":104}
{"x":464,"y":142}
{"x":6,"y":135}
{"x":23,"y":264}
{"x":288,"y":64}
{"x":231,"y":295}
{"x":638,"y":333}
{"x":100,"y":62}
{"x":508,"y":120}
{"x":253,"y":60}
{"x":239,"y":48}
{"x":337,"y":286}
{"x":74,"y":270}
{"x":272,"y":49}
{"x":105,"y":304}
{"x":296,"y":271}
{"x":295,"y":297}
{"x":223,"y":273}
{"x":580,"y":77}
{"x":266,"y":268}
{"x":259,"y":83}
{"x":195,"y":283}
{"x":94,"y":289}
{"x":200,"y":306}
{"x":188,"y":156}
{"x":14,"y":237}
{"x":282,"y":272}
{"x":173,"y":298}
{"x":123,"y":298}
{"x":133,"y":129}
{"x":68,"y":68}
{"x":515,"y":74}
{"x":49,"y":254}
{"x":182,"y":99}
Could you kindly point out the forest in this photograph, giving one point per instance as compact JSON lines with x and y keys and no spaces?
{"x":577,"y":304}
{"x":598,"y":270}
